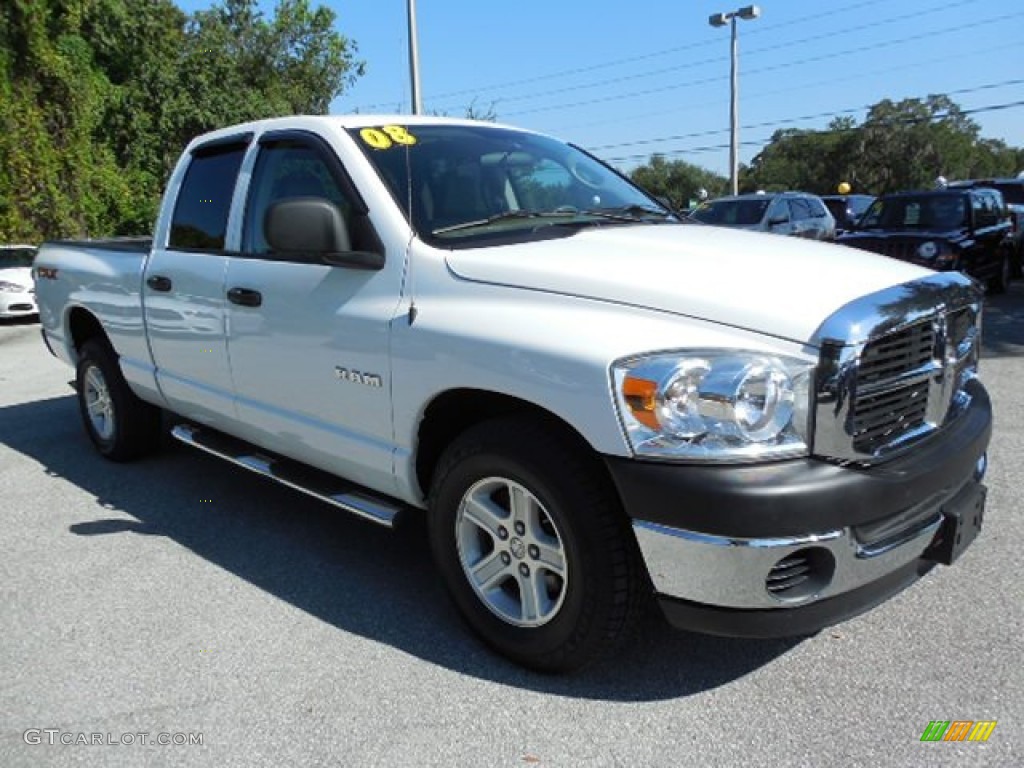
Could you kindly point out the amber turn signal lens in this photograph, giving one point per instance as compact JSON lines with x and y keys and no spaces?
{"x":640,"y":397}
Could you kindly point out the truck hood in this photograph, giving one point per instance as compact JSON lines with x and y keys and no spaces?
{"x":780,"y":286}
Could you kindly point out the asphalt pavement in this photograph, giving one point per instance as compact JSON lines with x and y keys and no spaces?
{"x":190,"y":601}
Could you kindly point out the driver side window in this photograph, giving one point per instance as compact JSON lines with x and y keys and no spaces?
{"x":284,"y":171}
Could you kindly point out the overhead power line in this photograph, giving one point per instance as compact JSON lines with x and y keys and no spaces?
{"x":790,"y":120}
{"x":690,"y":65}
{"x":1001,"y":19}
{"x":764,"y":141}
{"x":807,"y":18}
{"x":857,"y":74}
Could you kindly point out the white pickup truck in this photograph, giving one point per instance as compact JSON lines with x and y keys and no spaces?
{"x":592,"y":401}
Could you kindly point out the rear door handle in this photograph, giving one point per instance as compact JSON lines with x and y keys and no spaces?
{"x":159,"y":283}
{"x":245,"y":297}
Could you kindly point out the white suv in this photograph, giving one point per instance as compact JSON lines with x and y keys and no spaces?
{"x":784,"y":213}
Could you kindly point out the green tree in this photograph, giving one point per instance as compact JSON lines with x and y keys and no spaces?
{"x":900,"y":145}
{"x":98,"y":97}
{"x":677,"y":181}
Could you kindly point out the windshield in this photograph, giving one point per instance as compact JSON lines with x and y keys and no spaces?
{"x":1013,"y":194}
{"x":478,"y":181}
{"x":16,"y":257}
{"x":732,"y":213}
{"x":934,"y":212}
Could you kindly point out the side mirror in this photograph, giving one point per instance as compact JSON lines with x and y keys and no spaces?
{"x":776,"y":220}
{"x":314,"y":225}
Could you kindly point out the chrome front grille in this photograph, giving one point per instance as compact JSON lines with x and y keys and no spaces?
{"x":882,"y":414}
{"x":893,"y":367}
{"x":897,"y":352}
{"x":904,"y":251}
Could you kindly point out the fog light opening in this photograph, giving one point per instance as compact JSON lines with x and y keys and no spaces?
{"x":801,"y":574}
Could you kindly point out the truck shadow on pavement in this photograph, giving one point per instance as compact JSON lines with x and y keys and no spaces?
{"x":352,"y":574}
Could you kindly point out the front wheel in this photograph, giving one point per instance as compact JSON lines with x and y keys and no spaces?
{"x":533,"y":546}
{"x":120,"y":425}
{"x":1001,"y":281}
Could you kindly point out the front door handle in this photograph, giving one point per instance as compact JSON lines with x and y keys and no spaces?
{"x":245,"y":297}
{"x":159,"y":283}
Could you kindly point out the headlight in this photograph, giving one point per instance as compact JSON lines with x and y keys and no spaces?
{"x":12,"y":287}
{"x":928,"y":250}
{"x":715,"y":406}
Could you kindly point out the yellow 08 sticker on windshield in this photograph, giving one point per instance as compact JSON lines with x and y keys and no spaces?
{"x":386,"y":136}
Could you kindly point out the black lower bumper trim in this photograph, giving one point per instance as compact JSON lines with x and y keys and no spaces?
{"x":789,"y":622}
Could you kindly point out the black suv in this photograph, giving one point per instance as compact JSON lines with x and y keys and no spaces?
{"x":944,"y":229}
{"x":846,"y":209}
{"x":1012,"y":191}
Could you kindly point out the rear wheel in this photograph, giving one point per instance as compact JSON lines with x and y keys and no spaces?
{"x":120,"y":425}
{"x":534,"y":548}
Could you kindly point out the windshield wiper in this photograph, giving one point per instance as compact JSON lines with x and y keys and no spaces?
{"x":634,"y":211}
{"x":505,"y":216}
{"x":627,"y":213}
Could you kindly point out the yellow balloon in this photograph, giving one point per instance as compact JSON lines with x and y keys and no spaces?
{"x":844,"y":188}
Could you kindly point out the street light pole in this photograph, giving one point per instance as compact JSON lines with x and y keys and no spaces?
{"x":720,"y":20}
{"x":414,"y":61}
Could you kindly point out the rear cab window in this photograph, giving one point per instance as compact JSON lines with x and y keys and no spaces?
{"x":200,"y":217}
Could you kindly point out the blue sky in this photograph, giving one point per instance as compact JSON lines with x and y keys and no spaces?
{"x":623,"y":79}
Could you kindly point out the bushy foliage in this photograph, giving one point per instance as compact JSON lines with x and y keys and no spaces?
{"x":679,"y":182}
{"x":900,"y":145}
{"x":98,"y":98}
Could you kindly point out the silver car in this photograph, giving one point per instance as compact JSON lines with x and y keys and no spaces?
{"x":784,"y":213}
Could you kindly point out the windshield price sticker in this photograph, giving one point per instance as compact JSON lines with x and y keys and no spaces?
{"x":387,"y":136}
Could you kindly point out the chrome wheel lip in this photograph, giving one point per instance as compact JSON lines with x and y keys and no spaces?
{"x":521,"y":574}
{"x":98,"y":405}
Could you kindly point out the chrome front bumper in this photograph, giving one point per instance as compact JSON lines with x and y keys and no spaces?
{"x":735,"y":573}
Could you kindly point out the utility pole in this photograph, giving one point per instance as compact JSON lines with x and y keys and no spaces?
{"x":414,"y":61}
{"x":720,"y":20}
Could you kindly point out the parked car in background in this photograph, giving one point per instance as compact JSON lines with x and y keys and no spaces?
{"x":1012,"y":191}
{"x":784,"y":213}
{"x":846,"y":209}
{"x":945,"y":229}
{"x":17,"y":291}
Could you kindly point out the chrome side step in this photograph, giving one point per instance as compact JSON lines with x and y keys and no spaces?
{"x":315,"y":483}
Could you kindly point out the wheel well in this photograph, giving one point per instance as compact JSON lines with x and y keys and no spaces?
{"x":453,"y":412}
{"x":82,"y":326}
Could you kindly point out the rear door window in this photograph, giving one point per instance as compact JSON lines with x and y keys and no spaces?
{"x":817,"y":207}
{"x":800,"y":209}
{"x":200,"y":218}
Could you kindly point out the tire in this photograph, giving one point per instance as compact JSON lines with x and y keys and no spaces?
{"x":566,"y":535}
{"x":120,"y":425}
{"x":1001,"y":281}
